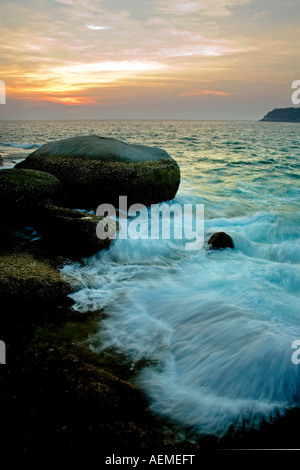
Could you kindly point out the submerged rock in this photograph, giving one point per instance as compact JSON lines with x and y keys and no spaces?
{"x":220,"y":240}
{"x":96,"y":170}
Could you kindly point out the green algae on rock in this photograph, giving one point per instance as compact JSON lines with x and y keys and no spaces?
{"x":88,"y":412}
{"x":23,"y":191}
{"x":27,"y":281}
{"x":95,"y":170}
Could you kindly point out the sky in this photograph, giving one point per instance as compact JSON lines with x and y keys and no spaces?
{"x":148,"y":59}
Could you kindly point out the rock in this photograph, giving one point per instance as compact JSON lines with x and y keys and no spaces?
{"x":23,"y":191}
{"x":88,"y":411}
{"x":28,"y":201}
{"x":70,"y":232}
{"x":26,"y":281}
{"x":96,"y":170}
{"x":220,"y":240}
{"x":95,"y":389}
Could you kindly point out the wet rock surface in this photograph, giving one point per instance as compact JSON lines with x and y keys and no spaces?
{"x":220,"y":240}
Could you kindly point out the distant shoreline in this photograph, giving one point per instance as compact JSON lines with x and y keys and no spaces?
{"x":282,"y":115}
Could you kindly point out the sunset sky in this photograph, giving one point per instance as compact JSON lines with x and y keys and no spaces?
{"x":140,"y":59}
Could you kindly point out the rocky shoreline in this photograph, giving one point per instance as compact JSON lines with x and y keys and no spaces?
{"x":56,"y":394}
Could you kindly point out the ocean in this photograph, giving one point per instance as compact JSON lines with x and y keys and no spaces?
{"x":215,"y":328}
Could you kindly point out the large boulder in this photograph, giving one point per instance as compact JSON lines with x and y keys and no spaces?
{"x":22,"y":192}
{"x":96,"y":170}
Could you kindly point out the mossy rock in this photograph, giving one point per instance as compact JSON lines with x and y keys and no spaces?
{"x":22,"y":191}
{"x":71,"y":232}
{"x":26,"y":281}
{"x":96,"y":389}
{"x":88,"y":411}
{"x":95,"y":170}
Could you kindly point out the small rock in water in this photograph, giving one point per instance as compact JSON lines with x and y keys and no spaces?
{"x":220,"y":240}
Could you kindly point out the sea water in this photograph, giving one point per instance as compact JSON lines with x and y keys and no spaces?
{"x":215,"y":327}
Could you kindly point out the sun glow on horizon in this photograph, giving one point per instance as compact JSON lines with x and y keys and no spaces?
{"x":93,"y":53}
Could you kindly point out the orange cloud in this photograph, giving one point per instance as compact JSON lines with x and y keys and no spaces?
{"x":205,"y":92}
{"x":89,"y":52}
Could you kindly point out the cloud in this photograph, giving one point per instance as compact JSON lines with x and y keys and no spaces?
{"x":109,"y":66}
{"x":94,"y":27}
{"x":85,"y":51}
{"x":205,"y":92}
{"x":201,"y":47}
{"x":213,"y":8}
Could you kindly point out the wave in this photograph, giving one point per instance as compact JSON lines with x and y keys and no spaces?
{"x":24,"y":145}
{"x":217,"y":326}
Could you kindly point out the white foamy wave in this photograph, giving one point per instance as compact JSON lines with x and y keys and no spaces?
{"x":217,"y":325}
{"x":24,"y":145}
{"x":284,"y":252}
